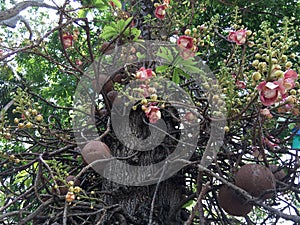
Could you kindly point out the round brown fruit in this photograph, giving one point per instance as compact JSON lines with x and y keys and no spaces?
{"x":103,"y":83}
{"x":232,"y":202}
{"x":112,"y":95}
{"x":106,"y":48}
{"x":96,"y":150}
{"x":255,"y":179}
{"x":119,"y":78}
{"x":279,"y":174}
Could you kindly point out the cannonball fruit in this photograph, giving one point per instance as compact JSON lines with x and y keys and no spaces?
{"x":107,"y":48}
{"x":119,"y":78}
{"x":103,"y":83}
{"x":233,"y":202}
{"x":112,"y":95}
{"x":279,"y":174}
{"x":255,"y":179}
{"x":93,"y":151}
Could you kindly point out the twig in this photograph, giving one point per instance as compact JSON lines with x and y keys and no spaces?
{"x":36,"y":212}
{"x":155,"y":193}
{"x":65,"y":218}
{"x":38,"y":42}
{"x":6,"y":107}
{"x":12,"y":12}
{"x":204,"y":190}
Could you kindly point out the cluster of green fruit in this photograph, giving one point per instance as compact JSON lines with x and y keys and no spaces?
{"x":26,"y":120}
{"x":9,"y":158}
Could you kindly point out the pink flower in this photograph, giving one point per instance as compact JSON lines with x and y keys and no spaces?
{"x":153,"y":113}
{"x":289,"y":79}
{"x":240,"y":84}
{"x":78,"y":62}
{"x":269,"y":92}
{"x":231,"y":36}
{"x":290,"y":74}
{"x":186,"y":44}
{"x":186,"y":54}
{"x":67,"y":40}
{"x":70,"y":196}
{"x":239,"y":37}
{"x":144,"y":74}
{"x":160,"y":11}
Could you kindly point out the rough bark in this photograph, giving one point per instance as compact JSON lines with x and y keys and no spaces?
{"x":135,"y":201}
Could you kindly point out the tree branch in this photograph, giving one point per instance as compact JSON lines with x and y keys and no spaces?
{"x":12,"y":12}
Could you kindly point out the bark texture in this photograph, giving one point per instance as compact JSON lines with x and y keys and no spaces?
{"x":152,"y":204}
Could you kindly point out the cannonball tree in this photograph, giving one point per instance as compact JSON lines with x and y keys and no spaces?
{"x":144,"y":112}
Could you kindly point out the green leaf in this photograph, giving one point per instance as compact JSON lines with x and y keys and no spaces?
{"x":183,"y":73}
{"x":161,"y":69}
{"x":6,"y":73}
{"x":108,"y":32}
{"x":127,"y":22}
{"x":82,"y":13}
{"x":115,"y":29}
{"x":20,"y":177}
{"x":136,"y":32}
{"x":191,"y":69}
{"x":175,"y":77}
{"x":140,"y":56}
{"x":166,"y":54}
{"x":100,"y":4}
{"x":189,"y":204}
{"x":122,"y":24}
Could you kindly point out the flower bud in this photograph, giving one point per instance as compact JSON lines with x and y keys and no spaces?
{"x":187,"y":32}
{"x":255,"y":63}
{"x":256,"y":76}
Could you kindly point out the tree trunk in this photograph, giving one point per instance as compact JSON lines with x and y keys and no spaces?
{"x":158,"y":203}
{"x":152,"y":204}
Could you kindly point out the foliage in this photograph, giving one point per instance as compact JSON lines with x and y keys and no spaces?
{"x":40,"y":73}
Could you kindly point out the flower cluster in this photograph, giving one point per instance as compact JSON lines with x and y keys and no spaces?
{"x":187,"y":47}
{"x":151,"y":109}
{"x":239,"y":36}
{"x":67,"y":40}
{"x":160,"y":9}
{"x":152,"y":112}
{"x":271,"y":91}
{"x":144,"y":74}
